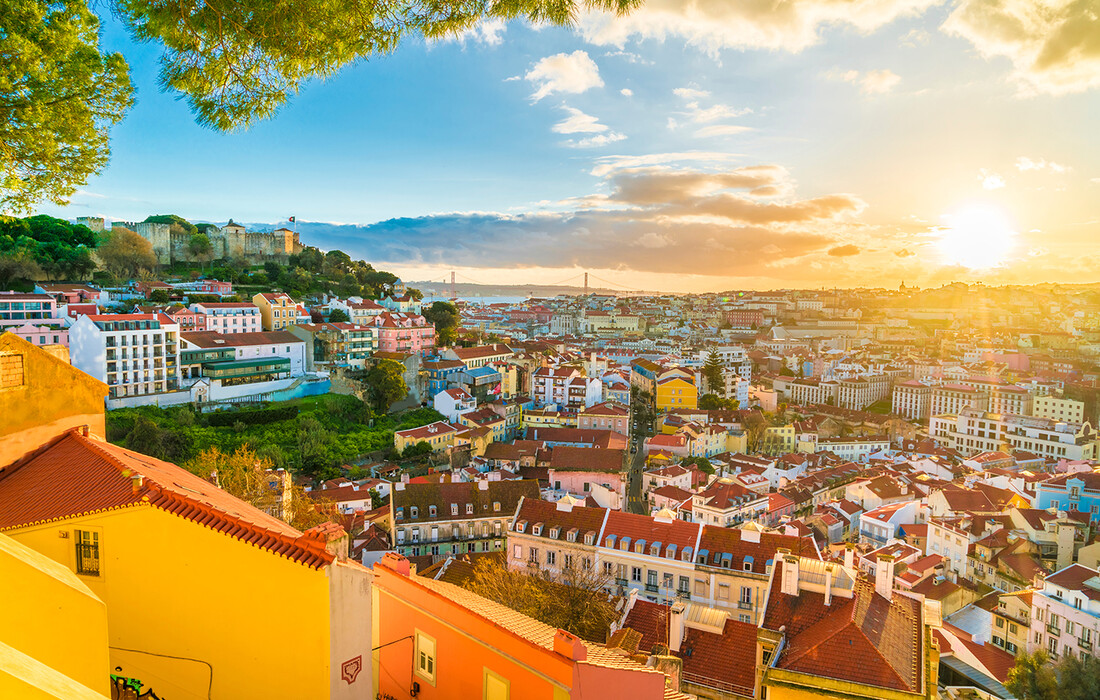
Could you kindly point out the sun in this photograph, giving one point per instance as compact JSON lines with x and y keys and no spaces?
{"x":977,"y":238}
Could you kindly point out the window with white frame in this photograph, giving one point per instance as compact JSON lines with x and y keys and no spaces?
{"x":425,"y":657}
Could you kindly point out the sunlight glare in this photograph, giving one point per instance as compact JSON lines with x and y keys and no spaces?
{"x":977,"y":238}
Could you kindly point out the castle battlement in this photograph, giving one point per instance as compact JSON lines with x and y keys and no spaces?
{"x":231,"y":241}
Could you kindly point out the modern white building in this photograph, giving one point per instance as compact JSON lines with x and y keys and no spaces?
{"x":135,"y":354}
{"x":453,"y":403}
{"x":230,"y":317}
{"x":242,"y":358}
{"x":1058,"y":409}
{"x":973,"y":431}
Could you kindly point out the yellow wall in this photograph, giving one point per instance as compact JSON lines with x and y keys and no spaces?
{"x":174,"y":587}
{"x":50,"y":616}
{"x":439,"y":442}
{"x":27,"y":678}
{"x":37,"y":411}
{"x":670,"y":389}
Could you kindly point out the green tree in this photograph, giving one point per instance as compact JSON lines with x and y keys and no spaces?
{"x":338,"y":316}
{"x":350,"y":287}
{"x":18,"y":266}
{"x":177,"y":222}
{"x":712,"y":373}
{"x":1033,"y":678}
{"x":159,"y":296}
{"x":714,"y":402}
{"x":386,"y":384}
{"x":446,"y":319}
{"x":59,"y":96}
{"x":126,"y":253}
{"x":199,"y":248}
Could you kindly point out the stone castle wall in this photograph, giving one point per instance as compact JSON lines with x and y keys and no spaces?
{"x":228,"y":242}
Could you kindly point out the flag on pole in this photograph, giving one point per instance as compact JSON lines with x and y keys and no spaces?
{"x":291,"y":219}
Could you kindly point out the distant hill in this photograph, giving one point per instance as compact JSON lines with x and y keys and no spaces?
{"x":467,"y":289}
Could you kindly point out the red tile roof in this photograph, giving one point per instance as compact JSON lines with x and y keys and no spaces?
{"x":717,"y":541}
{"x":651,"y":620}
{"x":74,"y":475}
{"x":864,"y":639}
{"x":643,"y":527}
{"x":584,"y":519}
{"x":586,"y":459}
{"x":724,"y":661}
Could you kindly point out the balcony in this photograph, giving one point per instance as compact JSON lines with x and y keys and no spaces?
{"x":1053,"y":630}
{"x":686,"y":595}
{"x":651,"y":587}
{"x":744,"y":605}
{"x":1084,"y":643}
{"x":621,"y":582}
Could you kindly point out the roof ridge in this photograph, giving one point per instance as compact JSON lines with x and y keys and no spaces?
{"x":10,"y":468}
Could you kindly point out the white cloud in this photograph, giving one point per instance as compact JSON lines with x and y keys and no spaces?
{"x":571,"y":73}
{"x":873,"y":82}
{"x":578,"y":123}
{"x":713,"y":25}
{"x":690,"y":93}
{"x":489,"y":32}
{"x":1054,"y":45}
{"x":596,"y":141}
{"x":653,"y":240}
{"x":722,"y":130}
{"x":606,"y":164}
{"x":1024,"y":164}
{"x":626,"y":92}
{"x":990,"y":180}
{"x":914,"y":38}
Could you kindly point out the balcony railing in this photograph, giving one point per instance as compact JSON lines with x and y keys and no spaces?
{"x":1053,"y":630}
{"x":651,"y":587}
{"x":621,"y":582}
{"x":744,"y":605}
{"x":1084,"y":643}
{"x":686,"y":595}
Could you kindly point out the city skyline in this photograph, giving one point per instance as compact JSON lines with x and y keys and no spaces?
{"x":666,"y":151}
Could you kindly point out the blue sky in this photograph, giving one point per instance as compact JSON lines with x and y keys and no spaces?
{"x":725,"y":146}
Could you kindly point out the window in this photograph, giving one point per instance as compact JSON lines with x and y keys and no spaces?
{"x":551,"y":558}
{"x":454,"y":509}
{"x":746,"y":595}
{"x":413,"y":511}
{"x":517,"y":551}
{"x":496,"y":687}
{"x":700,"y":587}
{"x":723,"y":591}
{"x":425,"y":657}
{"x":1000,"y":622}
{"x":533,"y":555}
{"x":469,"y":509}
{"x":432,"y":511}
{"x":636,"y":574}
{"x":87,"y":552}
{"x":496,"y":506}
{"x":608,"y":568}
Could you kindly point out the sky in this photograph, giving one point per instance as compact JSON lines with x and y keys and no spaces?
{"x":687,"y":147}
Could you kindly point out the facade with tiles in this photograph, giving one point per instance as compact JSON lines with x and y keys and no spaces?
{"x":441,"y":519}
{"x":664,"y":559}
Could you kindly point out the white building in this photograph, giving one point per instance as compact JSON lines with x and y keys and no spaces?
{"x":1058,"y":409}
{"x":1066,"y":613}
{"x":230,"y":317}
{"x":135,"y":354}
{"x":452,"y":403}
{"x":974,"y":431}
{"x":243,"y":357}
{"x":912,"y":399}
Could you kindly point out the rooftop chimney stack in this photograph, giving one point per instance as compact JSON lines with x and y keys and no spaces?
{"x":789,"y":582}
{"x":849,"y":556}
{"x":828,"y":584}
{"x":676,"y":627}
{"x":884,"y":576}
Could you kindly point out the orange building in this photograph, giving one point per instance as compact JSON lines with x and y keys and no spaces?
{"x":437,"y":641}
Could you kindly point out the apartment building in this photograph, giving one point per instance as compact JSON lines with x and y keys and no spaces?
{"x":605,"y":416}
{"x":1058,"y":409}
{"x":913,"y":400}
{"x":662,"y":558}
{"x":277,"y":310}
{"x":565,"y":387}
{"x":973,"y":431}
{"x":229,"y":317}
{"x":343,"y":344}
{"x":136,"y":355}
{"x":441,"y":519}
{"x":33,"y":317}
{"x":954,"y":398}
{"x":1010,"y":399}
{"x":1065,"y":613}
{"x":231,"y":359}
{"x":1077,"y":492}
{"x":404,"y":333}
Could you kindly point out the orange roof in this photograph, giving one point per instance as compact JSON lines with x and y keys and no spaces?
{"x":75,"y":475}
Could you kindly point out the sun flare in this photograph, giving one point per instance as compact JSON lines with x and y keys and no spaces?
{"x":977,"y":238}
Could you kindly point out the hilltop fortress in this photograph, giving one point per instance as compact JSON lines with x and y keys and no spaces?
{"x":231,"y":241}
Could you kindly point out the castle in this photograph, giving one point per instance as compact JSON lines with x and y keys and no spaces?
{"x":231,"y":241}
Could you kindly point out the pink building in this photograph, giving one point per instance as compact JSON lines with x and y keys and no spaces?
{"x":189,"y":320}
{"x":215,"y":287}
{"x":589,"y":471}
{"x":404,"y":333}
{"x":33,"y":317}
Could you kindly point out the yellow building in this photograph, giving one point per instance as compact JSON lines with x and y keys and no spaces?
{"x":35,"y":411}
{"x":440,"y":435}
{"x":53,"y":633}
{"x":206,"y":596}
{"x":277,"y":311}
{"x":778,"y":439}
{"x":676,"y":389}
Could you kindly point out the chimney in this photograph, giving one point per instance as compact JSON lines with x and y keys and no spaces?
{"x":789,"y":582}
{"x":1065,"y":546}
{"x":676,"y":628}
{"x":884,"y":576}
{"x":828,"y":584}
{"x":849,"y":556}
{"x":570,"y":646}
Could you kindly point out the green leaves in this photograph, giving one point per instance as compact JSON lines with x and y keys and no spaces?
{"x":58,"y":98}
